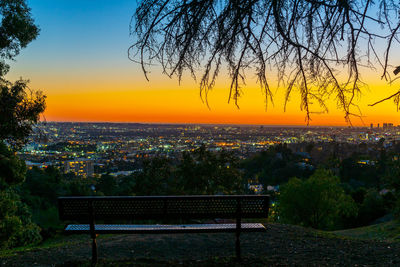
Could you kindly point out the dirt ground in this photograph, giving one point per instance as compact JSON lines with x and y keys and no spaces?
{"x":281,"y":245}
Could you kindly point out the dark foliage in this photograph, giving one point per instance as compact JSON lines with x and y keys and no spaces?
{"x":275,"y":166}
{"x":17,"y":30}
{"x":319,"y":202}
{"x":20,"y":110}
{"x":205,"y":172}
{"x":16,"y":227}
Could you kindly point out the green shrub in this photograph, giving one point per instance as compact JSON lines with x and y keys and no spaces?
{"x":318,"y":202}
{"x":16,"y":227}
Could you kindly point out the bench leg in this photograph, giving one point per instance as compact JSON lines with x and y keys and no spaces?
{"x":238,"y":256}
{"x":94,"y":251}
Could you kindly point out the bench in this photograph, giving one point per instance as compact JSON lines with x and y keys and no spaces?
{"x":89,"y":210}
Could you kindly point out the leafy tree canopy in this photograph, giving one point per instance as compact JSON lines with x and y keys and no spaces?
{"x":12,"y":169}
{"x":17,"y":30}
{"x":204,"y":172}
{"x":318,"y":202}
{"x":20,"y":110}
{"x":20,"y":107}
{"x":315,"y":47}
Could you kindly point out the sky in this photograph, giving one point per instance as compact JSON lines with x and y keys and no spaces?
{"x":80,"y":62}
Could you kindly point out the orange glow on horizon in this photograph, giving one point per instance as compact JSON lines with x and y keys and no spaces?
{"x":80,"y":62}
{"x":128,"y":97}
{"x":185,"y":106}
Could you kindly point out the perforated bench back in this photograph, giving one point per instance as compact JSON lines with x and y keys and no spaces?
{"x":162,"y":207}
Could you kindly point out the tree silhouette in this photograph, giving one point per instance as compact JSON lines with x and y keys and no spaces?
{"x":317,"y":47}
{"x":204,"y":172}
{"x":20,"y":108}
{"x":17,"y":30}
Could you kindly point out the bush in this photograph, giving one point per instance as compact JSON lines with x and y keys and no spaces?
{"x":371,"y":208}
{"x":16,"y":227}
{"x":318,"y":202}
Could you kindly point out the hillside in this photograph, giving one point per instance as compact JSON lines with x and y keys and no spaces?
{"x":280,"y":245}
{"x":387,"y":231}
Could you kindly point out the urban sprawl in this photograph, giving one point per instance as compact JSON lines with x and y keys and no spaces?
{"x":91,"y":149}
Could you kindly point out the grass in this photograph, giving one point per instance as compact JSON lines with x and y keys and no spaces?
{"x":387,"y":231}
{"x":59,"y":240}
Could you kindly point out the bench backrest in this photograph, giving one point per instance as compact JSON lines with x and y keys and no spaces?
{"x":84,"y":209}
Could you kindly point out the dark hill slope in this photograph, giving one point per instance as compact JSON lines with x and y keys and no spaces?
{"x":280,"y":245}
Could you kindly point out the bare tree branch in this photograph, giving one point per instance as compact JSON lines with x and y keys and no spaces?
{"x":315,"y":47}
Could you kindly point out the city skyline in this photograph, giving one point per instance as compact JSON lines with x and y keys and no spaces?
{"x":82,"y":148}
{"x":80,"y":62}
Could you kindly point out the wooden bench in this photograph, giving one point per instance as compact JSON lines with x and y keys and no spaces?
{"x":89,"y":210}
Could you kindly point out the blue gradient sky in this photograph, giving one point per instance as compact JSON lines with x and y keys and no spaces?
{"x":78,"y":35}
{"x":80,"y":62}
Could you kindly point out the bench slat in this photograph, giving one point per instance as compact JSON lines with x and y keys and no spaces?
{"x":159,"y":228}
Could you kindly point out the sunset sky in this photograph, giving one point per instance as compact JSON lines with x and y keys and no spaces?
{"x":80,"y":62}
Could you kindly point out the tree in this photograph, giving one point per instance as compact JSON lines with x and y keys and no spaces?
{"x":316,"y":47}
{"x":17,"y":115}
{"x":275,"y":166}
{"x":372,"y":207}
{"x":20,"y":109}
{"x":156,"y":178}
{"x":107,"y":184}
{"x":317,"y":202}
{"x":20,"y":106}
{"x":17,"y":30}
{"x":201,"y":172}
{"x":16,"y":227}
{"x":42,"y":187}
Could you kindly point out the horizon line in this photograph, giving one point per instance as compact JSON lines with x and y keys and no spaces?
{"x":209,"y":124}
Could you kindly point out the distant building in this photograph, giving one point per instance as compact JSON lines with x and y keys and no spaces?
{"x":40,"y":165}
{"x":372,"y":126}
{"x":80,"y":167}
{"x":256,"y":188}
{"x":366,"y":162}
{"x":387,"y":126}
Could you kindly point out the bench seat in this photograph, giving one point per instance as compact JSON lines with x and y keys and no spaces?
{"x":84,"y":212}
{"x":161,"y":228}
